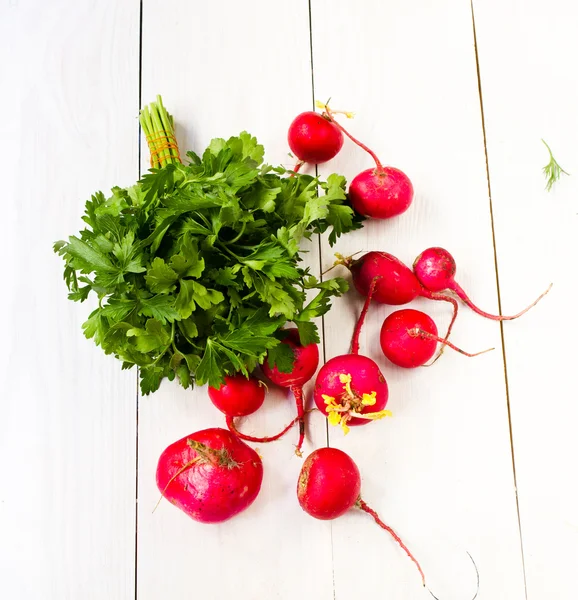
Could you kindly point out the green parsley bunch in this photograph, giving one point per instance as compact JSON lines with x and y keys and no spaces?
{"x":197,"y":267}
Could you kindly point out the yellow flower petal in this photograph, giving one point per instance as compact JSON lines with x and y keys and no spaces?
{"x":345,"y":379}
{"x":328,"y":399}
{"x":378,"y":415}
{"x":369,"y":399}
{"x":334,"y":418}
{"x":344,"y":426}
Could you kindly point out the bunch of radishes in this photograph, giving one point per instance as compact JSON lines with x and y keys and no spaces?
{"x":212,"y":475}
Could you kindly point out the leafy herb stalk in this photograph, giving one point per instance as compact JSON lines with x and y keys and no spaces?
{"x":197,"y":267}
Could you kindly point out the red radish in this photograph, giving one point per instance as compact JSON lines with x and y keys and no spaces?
{"x":239,"y":397}
{"x":351,"y":390}
{"x":409,"y":338}
{"x":304,"y":367}
{"x":330,"y":484}
{"x":313,"y":138}
{"x":379,"y":193}
{"x":435,"y":268}
{"x":211,"y":475}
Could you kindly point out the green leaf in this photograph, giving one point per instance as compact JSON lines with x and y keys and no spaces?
{"x":88,"y":258}
{"x":118,"y":309}
{"x":282,"y":357}
{"x":189,"y":328}
{"x":150,"y":379}
{"x":161,"y":278}
{"x":189,"y":262}
{"x":95,"y":327}
{"x":308,"y":333}
{"x":191,"y":294}
{"x":154,"y":337}
{"x":184,"y":375}
{"x":208,"y":370}
{"x":246,"y":342}
{"x":159,"y":307}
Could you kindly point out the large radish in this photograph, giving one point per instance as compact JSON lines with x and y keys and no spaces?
{"x":211,"y":475}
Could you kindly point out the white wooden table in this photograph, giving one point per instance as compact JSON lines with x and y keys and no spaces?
{"x":461,"y":109}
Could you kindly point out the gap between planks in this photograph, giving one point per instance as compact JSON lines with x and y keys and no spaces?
{"x":511,"y":433}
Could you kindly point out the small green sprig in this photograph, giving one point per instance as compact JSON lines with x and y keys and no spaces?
{"x":552,"y":171}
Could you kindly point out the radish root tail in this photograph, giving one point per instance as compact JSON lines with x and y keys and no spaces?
{"x":181,"y":470}
{"x":328,"y":113}
{"x":298,"y":393}
{"x":258,"y":440}
{"x":362,"y":315}
{"x":437,"y":296}
{"x":430,"y":336}
{"x":363,"y":506}
{"x":465,"y":299}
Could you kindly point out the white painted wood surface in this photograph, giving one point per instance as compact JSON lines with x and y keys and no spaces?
{"x":69,"y":97}
{"x":441,"y":470}
{"x":530,"y":91}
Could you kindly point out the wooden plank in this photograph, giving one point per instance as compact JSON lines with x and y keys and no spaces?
{"x":67,"y":412}
{"x":252,"y":72}
{"x":530,"y":92}
{"x":440,"y":471}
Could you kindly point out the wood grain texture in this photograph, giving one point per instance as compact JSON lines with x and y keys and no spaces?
{"x":439,"y":471}
{"x":530,"y":92}
{"x":217,"y":84}
{"x":67,"y":412}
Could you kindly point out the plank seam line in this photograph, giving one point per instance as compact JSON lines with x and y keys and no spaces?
{"x":139,"y":155}
{"x":323,"y":347}
{"x":503,"y":341}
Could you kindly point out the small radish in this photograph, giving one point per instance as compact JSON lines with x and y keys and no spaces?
{"x":379,"y":193}
{"x":211,"y":475}
{"x":313,"y":138}
{"x":239,"y":397}
{"x":306,"y":360}
{"x":409,"y":338}
{"x":330,"y":484}
{"x":435,"y":268}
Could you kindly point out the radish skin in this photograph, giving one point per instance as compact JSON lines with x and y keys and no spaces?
{"x":313,"y":139}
